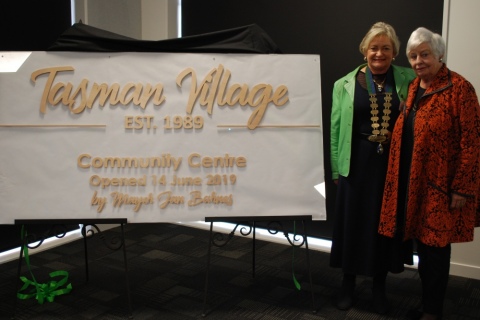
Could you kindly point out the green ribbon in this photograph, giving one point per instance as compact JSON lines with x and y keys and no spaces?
{"x":45,"y":291}
{"x":297,"y":284}
{"x":42,"y":291}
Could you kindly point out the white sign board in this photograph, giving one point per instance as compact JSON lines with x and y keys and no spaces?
{"x":160,"y":137}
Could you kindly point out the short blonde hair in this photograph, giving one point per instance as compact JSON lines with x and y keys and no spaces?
{"x":380,"y":29}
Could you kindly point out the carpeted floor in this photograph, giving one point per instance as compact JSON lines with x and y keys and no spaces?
{"x":167,"y":272}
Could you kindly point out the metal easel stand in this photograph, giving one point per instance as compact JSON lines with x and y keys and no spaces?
{"x":88,"y":230}
{"x":219,"y":240}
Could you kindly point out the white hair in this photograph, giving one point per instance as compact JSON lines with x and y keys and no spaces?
{"x":423,"y":35}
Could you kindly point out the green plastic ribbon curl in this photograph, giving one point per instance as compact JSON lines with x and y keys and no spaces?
{"x":295,"y":281}
{"x":45,"y":291}
{"x":42,"y":291}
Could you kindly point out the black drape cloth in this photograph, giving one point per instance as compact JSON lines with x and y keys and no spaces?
{"x":246,"y":39}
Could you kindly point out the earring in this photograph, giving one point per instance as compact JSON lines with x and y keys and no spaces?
{"x":364,"y":58}
{"x":393,"y":59}
{"x":441,"y":60}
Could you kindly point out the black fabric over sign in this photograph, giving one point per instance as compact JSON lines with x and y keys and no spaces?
{"x":246,"y":39}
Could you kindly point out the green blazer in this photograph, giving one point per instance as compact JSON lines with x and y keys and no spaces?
{"x":342,"y":115}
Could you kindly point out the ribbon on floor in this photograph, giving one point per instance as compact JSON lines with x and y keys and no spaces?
{"x":42,"y":291}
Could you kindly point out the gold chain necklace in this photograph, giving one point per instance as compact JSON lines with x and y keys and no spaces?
{"x":380,"y":135}
{"x":380,"y":85}
{"x":380,"y":132}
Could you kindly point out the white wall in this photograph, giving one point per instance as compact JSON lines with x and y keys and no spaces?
{"x":138,"y":19}
{"x":159,"y":19}
{"x":461,"y":27}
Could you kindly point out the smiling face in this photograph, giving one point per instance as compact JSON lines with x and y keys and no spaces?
{"x":379,"y":54}
{"x":424,"y":62}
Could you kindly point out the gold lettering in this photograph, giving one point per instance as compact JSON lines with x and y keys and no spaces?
{"x":97,"y":181}
{"x":192,"y":98}
{"x":196,"y":199}
{"x":98,"y":201}
{"x":192,"y":162}
{"x":80,"y":160}
{"x":138,"y":122}
{"x":214,"y":88}
{"x":65,"y":93}
{"x":52,"y":72}
{"x":120,"y":199}
{"x":186,"y":181}
{"x":163,"y":161}
{"x":165,"y":198}
{"x":195,"y":160}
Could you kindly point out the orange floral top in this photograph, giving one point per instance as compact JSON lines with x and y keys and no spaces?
{"x":445,"y":160}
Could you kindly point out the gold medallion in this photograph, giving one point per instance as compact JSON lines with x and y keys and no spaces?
{"x":377,"y":138}
{"x":380,"y":132}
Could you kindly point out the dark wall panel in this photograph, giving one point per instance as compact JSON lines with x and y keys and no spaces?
{"x":332,"y":29}
{"x":32,"y":25}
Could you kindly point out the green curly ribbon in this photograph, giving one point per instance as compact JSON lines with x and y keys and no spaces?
{"x":42,"y":291}
{"x":45,"y":291}
{"x":297,"y":284}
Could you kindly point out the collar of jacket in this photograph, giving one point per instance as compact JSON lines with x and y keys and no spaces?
{"x":442,"y":81}
{"x":349,"y":81}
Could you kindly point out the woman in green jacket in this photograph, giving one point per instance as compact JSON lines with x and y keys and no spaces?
{"x":366,"y":104}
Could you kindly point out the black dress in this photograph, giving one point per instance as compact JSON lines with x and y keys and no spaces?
{"x":357,"y":247}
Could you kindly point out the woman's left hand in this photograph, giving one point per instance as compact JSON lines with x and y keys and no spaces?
{"x":458,"y":201}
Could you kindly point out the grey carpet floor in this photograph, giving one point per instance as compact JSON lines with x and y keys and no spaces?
{"x":167,"y":269}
